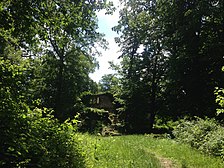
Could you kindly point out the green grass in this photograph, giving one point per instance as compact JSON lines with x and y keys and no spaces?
{"x":141,"y":151}
{"x":117,"y":152}
{"x":181,"y":154}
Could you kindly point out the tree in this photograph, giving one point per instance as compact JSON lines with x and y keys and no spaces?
{"x":194,"y":38}
{"x":59,"y":37}
{"x":108,"y":83}
{"x":172,"y":55}
{"x":37,"y":39}
{"x":30,"y":138}
{"x":143,"y":65}
{"x":71,"y":37}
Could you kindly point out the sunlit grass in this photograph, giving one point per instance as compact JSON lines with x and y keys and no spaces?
{"x":181,"y":154}
{"x":143,"y":151}
{"x":118,"y":152}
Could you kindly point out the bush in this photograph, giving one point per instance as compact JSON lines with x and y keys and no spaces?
{"x":214,"y":142}
{"x":40,"y":141}
{"x":219,"y":92}
{"x":206,"y":135}
{"x":55,"y":142}
{"x":31,"y":138}
{"x":93,"y":120}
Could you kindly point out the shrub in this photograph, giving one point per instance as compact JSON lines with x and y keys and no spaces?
{"x":31,"y":138}
{"x":93,"y":120}
{"x":56,"y":143}
{"x":219,"y":92}
{"x":214,"y":142}
{"x":40,"y":141}
{"x":206,"y":135}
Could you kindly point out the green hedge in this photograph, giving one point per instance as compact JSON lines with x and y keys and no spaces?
{"x":204,"y":134}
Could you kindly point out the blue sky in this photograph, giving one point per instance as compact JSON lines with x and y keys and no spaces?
{"x":106,"y":22}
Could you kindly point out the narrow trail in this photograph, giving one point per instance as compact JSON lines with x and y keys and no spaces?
{"x":166,"y":163}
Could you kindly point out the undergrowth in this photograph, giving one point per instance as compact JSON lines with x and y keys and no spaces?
{"x":205,"y":135}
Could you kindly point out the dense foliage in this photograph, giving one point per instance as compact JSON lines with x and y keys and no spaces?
{"x":206,"y":135}
{"x":35,"y":139}
{"x":172,"y":54}
{"x":219,"y":92}
{"x":47,"y":50}
{"x":59,"y":39}
{"x":31,"y":138}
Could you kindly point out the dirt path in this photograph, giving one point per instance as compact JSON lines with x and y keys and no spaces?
{"x":166,"y":163}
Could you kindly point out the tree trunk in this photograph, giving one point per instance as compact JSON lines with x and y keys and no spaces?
{"x":153,"y":95}
{"x":58,"y":102}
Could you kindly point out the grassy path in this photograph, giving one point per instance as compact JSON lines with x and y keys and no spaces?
{"x":139,"y":151}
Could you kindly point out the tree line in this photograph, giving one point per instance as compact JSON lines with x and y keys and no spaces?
{"x":171,"y":61}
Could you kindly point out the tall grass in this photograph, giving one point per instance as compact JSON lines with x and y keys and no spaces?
{"x":181,"y":154}
{"x":143,"y":151}
{"x":118,"y":152}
